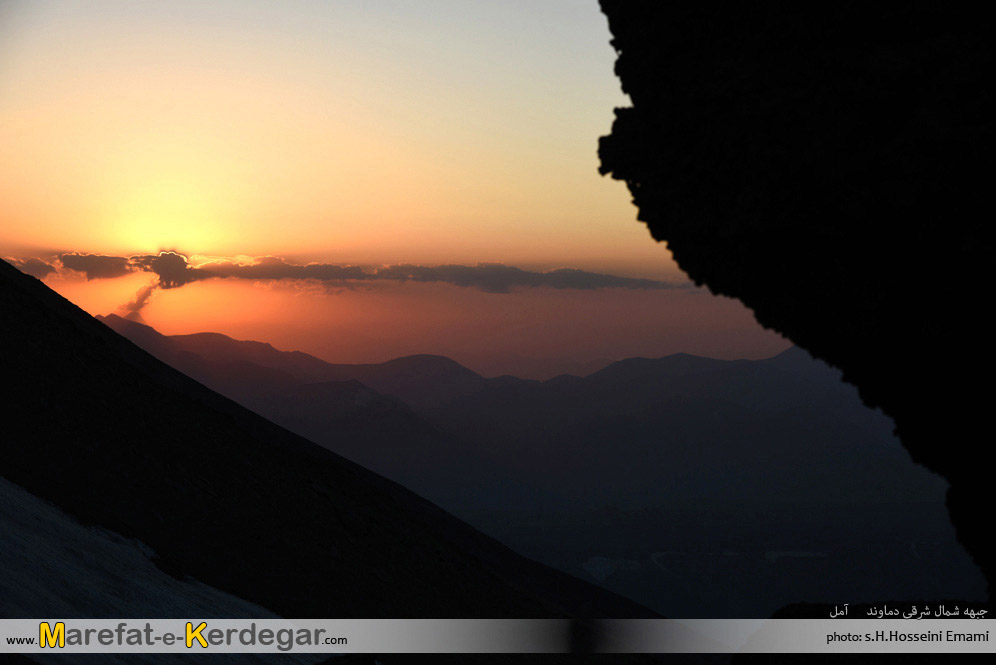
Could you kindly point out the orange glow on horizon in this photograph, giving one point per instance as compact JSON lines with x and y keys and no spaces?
{"x":347,"y":133}
{"x":132,"y":138}
{"x":374,"y":323}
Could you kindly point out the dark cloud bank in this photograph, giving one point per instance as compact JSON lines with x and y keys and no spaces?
{"x":34,"y":267}
{"x":173,"y":270}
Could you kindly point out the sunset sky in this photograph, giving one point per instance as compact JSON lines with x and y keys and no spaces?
{"x":368,"y":134}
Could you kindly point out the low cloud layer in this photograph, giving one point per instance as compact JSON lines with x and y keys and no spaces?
{"x":34,"y":267}
{"x":96,"y":266}
{"x":173,"y":270}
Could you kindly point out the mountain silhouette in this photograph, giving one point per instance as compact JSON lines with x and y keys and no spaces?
{"x":336,"y":406}
{"x":228,"y":365}
{"x":598,"y":475}
{"x":115,"y":439}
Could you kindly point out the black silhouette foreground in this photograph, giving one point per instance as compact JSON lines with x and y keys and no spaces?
{"x":116,"y":439}
{"x":831,"y":166}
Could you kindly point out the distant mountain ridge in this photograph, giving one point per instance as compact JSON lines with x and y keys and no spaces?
{"x":116,"y":439}
{"x":354,"y":410}
{"x":418,"y":379}
{"x":438,"y":421}
{"x":422,"y":380}
{"x":631,"y":475}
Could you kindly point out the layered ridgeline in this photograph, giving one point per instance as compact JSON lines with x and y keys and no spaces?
{"x":142,"y":492}
{"x":700,"y":487}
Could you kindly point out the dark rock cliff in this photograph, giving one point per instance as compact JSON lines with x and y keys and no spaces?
{"x":830,"y":166}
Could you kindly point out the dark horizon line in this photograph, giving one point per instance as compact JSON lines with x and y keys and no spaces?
{"x":677,"y":354}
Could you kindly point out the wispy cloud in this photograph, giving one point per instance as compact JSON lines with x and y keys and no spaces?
{"x":173,"y":270}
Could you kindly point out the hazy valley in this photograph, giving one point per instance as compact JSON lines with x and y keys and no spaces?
{"x":698,"y":487}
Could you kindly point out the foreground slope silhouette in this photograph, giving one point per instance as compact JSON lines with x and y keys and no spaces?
{"x":831,"y":166}
{"x":117,"y":439}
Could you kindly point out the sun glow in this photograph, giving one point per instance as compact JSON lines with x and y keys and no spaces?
{"x":144,"y":126}
{"x":349,"y":133}
{"x":166,"y":214}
